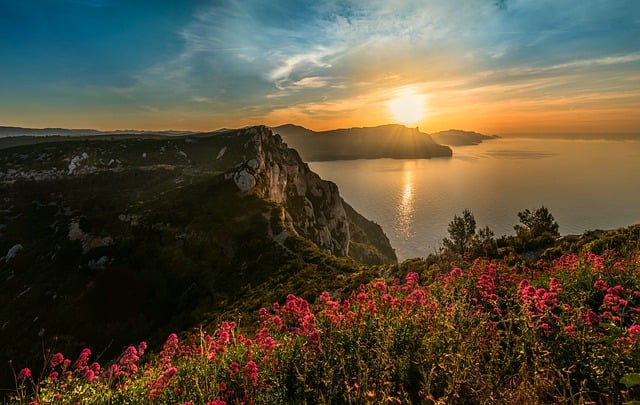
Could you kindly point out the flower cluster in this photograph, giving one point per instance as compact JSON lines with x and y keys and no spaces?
{"x":486,"y":331}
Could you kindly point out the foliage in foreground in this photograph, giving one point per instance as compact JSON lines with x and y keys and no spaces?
{"x":477,"y":331}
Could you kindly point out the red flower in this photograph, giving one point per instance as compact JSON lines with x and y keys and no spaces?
{"x":634,"y":330}
{"x":83,"y":359}
{"x":56,"y":360}
{"x":252,"y":371}
{"x":592,"y":318}
{"x":141,"y":348}
{"x":456,"y":272}
{"x":89,"y":375}
{"x":24,"y":374}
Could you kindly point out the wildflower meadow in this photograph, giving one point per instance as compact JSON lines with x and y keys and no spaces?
{"x":469,"y":331}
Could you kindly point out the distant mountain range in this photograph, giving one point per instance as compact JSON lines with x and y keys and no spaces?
{"x":385,"y":141}
{"x":19,"y":131}
{"x":17,"y":136}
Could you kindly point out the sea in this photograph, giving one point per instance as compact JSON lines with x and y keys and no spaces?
{"x":585,"y":184}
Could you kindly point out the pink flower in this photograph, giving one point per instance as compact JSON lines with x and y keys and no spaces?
{"x":56,"y":360}
{"x":592,"y":318}
{"x":411,"y":281}
{"x":83,"y":359}
{"x":24,"y":374}
{"x":113,"y":369}
{"x":141,"y":348}
{"x":169,"y":350}
{"x":89,"y":375}
{"x":234,"y":367}
{"x":554,"y":286}
{"x":251,"y":369}
{"x":380,"y":286}
{"x":634,"y":330}
{"x":162,"y":382}
{"x":456,"y":272}
{"x":217,"y":401}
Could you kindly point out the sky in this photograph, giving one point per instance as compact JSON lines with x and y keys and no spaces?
{"x":494,"y":66}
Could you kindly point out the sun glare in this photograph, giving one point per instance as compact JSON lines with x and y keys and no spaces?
{"x":408,"y":107}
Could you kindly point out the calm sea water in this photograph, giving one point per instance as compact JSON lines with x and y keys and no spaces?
{"x":585,"y":184}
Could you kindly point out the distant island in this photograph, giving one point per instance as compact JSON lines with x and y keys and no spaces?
{"x":385,"y":141}
{"x":457,"y":137}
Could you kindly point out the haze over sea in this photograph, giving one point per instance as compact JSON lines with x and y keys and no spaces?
{"x":586,"y":185}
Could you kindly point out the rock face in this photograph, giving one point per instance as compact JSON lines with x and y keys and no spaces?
{"x":313,"y":205}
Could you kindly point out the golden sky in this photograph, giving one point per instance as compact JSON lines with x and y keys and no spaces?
{"x":500,"y":67}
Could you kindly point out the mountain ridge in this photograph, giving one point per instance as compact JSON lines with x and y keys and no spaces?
{"x":384,"y":141}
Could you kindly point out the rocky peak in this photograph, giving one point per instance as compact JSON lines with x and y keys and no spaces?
{"x":276,"y":172}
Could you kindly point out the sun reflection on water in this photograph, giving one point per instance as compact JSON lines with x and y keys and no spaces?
{"x":405,"y":210}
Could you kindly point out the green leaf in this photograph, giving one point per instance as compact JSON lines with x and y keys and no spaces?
{"x":631,"y":403}
{"x":630,"y":380}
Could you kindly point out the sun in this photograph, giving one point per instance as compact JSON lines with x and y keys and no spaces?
{"x":408,"y":107}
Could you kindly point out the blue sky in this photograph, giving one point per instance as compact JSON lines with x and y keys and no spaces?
{"x":512,"y":66}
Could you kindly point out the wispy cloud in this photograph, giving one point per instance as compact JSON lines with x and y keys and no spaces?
{"x":308,"y":62}
{"x":337,"y":58}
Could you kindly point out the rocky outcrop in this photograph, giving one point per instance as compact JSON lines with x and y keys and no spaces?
{"x":313,"y":205}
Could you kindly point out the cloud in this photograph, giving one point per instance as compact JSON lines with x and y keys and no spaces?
{"x":261,"y":58}
{"x":293,"y":64}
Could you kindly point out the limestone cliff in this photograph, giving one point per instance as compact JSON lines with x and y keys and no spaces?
{"x":313,"y":206}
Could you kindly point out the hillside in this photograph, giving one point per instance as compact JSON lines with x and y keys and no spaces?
{"x":464,"y":330}
{"x":386,"y":141}
{"x":105,"y":241}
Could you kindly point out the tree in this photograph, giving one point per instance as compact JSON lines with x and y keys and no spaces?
{"x":536,"y":228}
{"x":462,"y":231}
{"x":484,"y":242}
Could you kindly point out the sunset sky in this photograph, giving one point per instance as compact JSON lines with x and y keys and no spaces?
{"x":501,"y":67}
